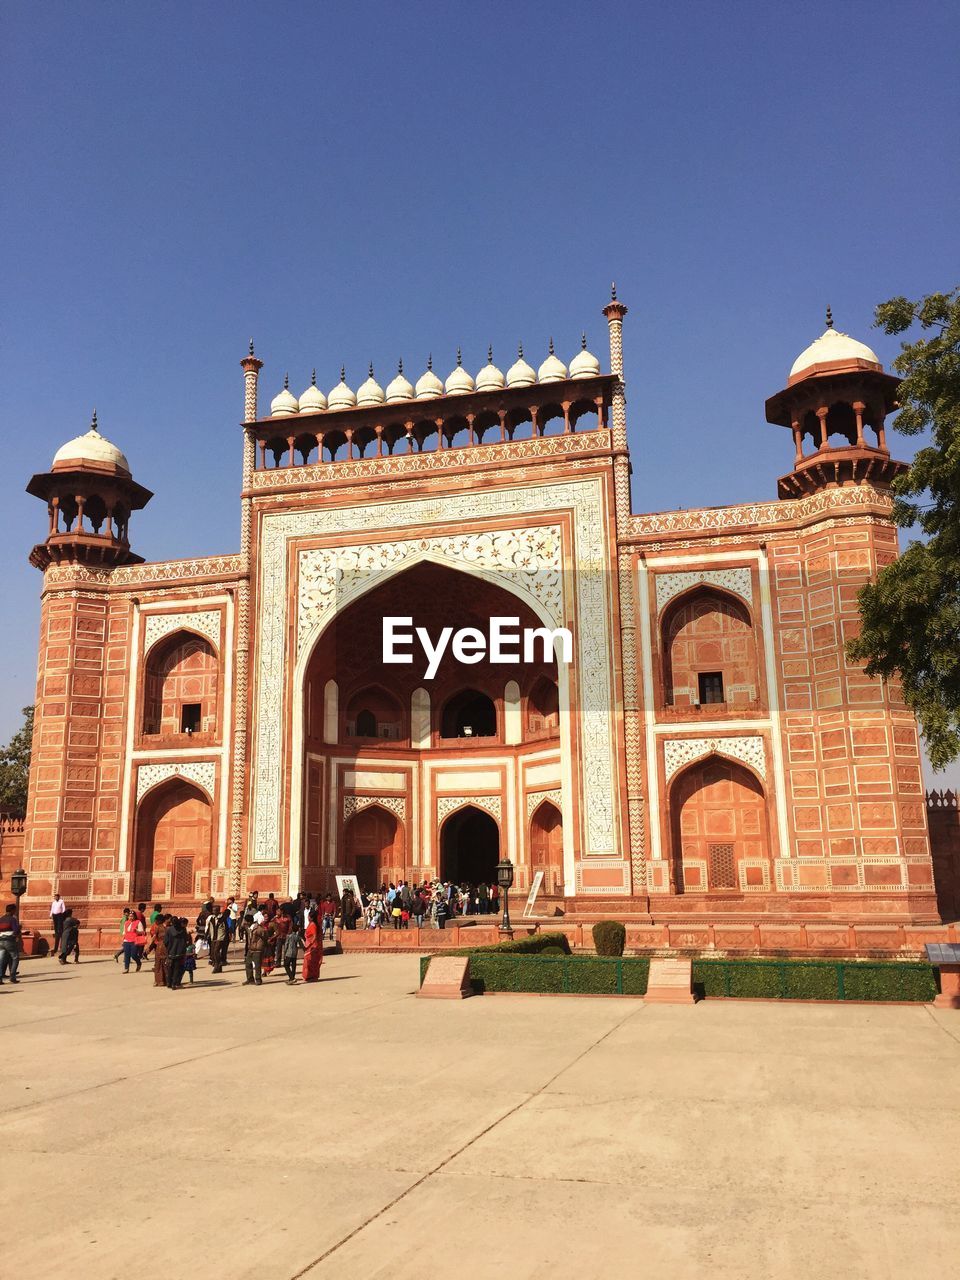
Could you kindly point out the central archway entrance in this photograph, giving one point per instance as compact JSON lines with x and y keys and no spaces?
{"x":469,"y":847}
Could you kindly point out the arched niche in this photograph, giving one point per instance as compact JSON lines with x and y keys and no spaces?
{"x":469,"y":846}
{"x":543,"y":709}
{"x":181,"y":686}
{"x":469,"y":713}
{"x":709,"y":650}
{"x":173,"y":843}
{"x":372,"y":713}
{"x":719,"y":825}
{"x":373,"y":847}
{"x":546,"y":846}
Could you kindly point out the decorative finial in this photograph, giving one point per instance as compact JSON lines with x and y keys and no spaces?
{"x":583,"y":341}
{"x":343,"y":373}
{"x":313,"y":378}
{"x":613,"y":292}
{"x":490,"y":354}
{"x":552,"y":352}
{"x":430,"y":361}
{"x":400,"y":367}
{"x":251,"y":346}
{"x":371,"y":368}
{"x":93,"y":422}
{"x":829,"y":317}
{"x":286,"y":382}
{"x":520,"y":350}
{"x":459,"y":357}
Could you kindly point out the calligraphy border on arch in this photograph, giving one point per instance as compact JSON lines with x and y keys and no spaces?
{"x":591,"y":559}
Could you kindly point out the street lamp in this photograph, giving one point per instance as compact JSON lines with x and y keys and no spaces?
{"x":505,"y":880}
{"x":18,"y":886}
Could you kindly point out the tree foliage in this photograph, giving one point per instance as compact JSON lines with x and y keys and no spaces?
{"x":15,"y":766}
{"x":911,"y":613}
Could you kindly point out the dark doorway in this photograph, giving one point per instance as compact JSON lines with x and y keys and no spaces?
{"x":469,"y":847}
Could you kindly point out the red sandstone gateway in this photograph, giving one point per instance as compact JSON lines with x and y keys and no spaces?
{"x":221,"y":724}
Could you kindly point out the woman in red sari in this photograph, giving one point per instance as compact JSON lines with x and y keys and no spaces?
{"x":313,"y":949}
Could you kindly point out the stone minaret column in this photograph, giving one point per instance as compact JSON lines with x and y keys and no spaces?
{"x":251,"y":367}
{"x":251,"y":371}
{"x":636,"y":807}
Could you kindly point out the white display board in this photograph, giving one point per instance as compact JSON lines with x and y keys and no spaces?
{"x":532,"y":895}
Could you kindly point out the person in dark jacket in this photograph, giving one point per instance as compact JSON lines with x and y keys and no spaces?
{"x":70,"y":938}
{"x":9,"y":943}
{"x":175,"y":940}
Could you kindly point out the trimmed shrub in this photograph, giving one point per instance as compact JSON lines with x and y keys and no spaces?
{"x":532,"y":944}
{"x":609,"y":938}
{"x":815,"y":979}
{"x":553,"y":951}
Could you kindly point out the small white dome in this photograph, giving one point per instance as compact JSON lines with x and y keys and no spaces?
{"x":370,"y":391}
{"x":429,"y":386}
{"x":342,"y":397}
{"x":833,"y":347}
{"x":313,"y":400}
{"x":399,"y":388}
{"x":285,"y":404}
{"x":553,"y":369}
{"x":490,"y":378}
{"x":521,"y":374}
{"x":92,"y":447}
{"x":459,"y":383}
{"x":584,"y":364}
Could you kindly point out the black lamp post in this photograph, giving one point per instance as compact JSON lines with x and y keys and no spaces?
{"x":18,"y":886}
{"x":505,"y":880}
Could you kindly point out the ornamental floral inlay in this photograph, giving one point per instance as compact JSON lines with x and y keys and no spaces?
{"x":202,"y":772}
{"x":679,"y":752}
{"x":536,"y":798}
{"x":587,"y":562}
{"x":158,"y":625}
{"x":450,"y":804}
{"x":670,"y":585}
{"x":354,"y":804}
{"x":331,"y":576}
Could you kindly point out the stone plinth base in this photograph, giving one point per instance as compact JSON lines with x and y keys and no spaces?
{"x":670,"y":982}
{"x":949,"y":997}
{"x":447,"y":978}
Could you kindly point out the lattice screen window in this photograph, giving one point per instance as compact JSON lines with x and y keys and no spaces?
{"x":723,"y":870}
{"x":183,"y":877}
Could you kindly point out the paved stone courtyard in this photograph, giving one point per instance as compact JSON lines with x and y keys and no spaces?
{"x":348,"y":1129}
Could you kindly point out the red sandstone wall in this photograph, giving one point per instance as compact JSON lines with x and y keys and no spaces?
{"x":855,"y":788}
{"x":77,"y":765}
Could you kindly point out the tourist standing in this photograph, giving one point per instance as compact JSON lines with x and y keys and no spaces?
{"x":312,"y":949}
{"x":158,"y":932}
{"x":253,"y":939}
{"x":175,"y":940}
{"x":123,"y":924}
{"x":218,"y":935}
{"x":70,"y":938}
{"x":57,"y":908}
{"x":9,"y":943}
{"x":133,"y":935}
{"x":291,"y":945}
{"x":328,"y":910}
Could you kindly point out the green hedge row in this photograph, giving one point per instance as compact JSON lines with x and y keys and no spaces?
{"x":518,"y":967}
{"x":494,"y":970}
{"x":816,"y":979}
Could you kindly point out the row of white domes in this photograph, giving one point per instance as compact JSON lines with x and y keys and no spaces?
{"x":429,"y":386}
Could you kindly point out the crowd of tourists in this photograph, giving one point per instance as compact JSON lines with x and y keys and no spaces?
{"x":267,"y":934}
{"x":434,"y":902}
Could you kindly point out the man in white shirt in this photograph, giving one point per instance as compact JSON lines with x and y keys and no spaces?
{"x":57,"y":908}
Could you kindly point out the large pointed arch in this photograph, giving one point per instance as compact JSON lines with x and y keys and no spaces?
{"x":351,"y":595}
{"x":174,"y":837}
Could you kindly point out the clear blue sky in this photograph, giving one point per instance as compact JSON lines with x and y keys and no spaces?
{"x":368,"y":181}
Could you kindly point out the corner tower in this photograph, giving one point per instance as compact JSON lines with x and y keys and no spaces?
{"x":837,"y":391}
{"x":90,"y":494}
